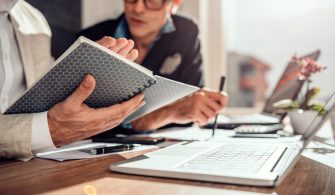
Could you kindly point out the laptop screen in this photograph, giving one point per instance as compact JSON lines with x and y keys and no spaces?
{"x":316,"y":123}
{"x":289,"y":85}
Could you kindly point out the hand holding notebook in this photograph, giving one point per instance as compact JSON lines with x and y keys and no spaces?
{"x":72,"y":120}
{"x":117,"y":79}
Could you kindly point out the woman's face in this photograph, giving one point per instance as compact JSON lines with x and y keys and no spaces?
{"x":142,"y":21}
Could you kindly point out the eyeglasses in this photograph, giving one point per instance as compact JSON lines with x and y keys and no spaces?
{"x":150,"y":4}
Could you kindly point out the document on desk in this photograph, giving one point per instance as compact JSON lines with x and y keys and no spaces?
{"x":322,"y":147}
{"x":190,"y":133}
{"x":198,"y":134}
{"x":74,"y":151}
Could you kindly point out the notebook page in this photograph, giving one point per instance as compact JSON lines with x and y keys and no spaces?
{"x":164,"y":92}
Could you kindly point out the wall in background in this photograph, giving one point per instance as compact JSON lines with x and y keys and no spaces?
{"x":64,"y":18}
{"x":274,"y":30}
{"x":211,"y":25}
{"x":97,"y":11}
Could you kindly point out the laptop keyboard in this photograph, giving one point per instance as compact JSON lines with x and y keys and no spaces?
{"x":232,"y":158}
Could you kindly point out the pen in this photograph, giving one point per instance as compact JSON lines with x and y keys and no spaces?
{"x":111,"y":149}
{"x":223,"y":79}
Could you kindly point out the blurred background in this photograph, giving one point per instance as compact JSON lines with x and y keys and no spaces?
{"x":249,"y":41}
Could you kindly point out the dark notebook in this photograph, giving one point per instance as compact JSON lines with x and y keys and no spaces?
{"x":117,"y":79}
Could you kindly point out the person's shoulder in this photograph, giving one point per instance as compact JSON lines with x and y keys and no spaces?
{"x":105,"y":24}
{"x":184,"y":23}
{"x":29,"y":19}
{"x":24,"y":8}
{"x":104,"y":28}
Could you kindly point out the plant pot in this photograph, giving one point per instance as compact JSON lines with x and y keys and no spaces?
{"x":304,"y":121}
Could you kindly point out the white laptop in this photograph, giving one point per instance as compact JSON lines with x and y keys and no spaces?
{"x":287,"y":87}
{"x":235,"y":161}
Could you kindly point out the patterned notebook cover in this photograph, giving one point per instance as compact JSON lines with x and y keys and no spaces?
{"x":117,"y":79}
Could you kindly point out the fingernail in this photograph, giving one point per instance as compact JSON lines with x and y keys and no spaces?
{"x":142,"y":104}
{"x":131,"y":41}
{"x":123,"y":40}
{"x":87,"y":82}
{"x":141,"y":95}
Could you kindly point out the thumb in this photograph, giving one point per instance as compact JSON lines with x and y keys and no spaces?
{"x":83,"y":91}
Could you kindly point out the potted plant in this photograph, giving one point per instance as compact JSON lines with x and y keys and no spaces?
{"x":303,"y":110}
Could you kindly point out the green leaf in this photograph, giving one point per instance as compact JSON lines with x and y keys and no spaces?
{"x":312,"y":93}
{"x":287,"y":104}
{"x":317,"y":107}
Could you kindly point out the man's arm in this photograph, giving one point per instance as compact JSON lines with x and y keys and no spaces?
{"x":15,"y":136}
{"x":21,"y":134}
{"x":70,"y":120}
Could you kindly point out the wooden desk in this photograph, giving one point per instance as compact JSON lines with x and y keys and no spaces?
{"x":38,"y":175}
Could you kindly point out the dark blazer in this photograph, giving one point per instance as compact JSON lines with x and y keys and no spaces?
{"x":182,"y":46}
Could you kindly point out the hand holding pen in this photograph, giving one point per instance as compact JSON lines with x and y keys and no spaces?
{"x":222,"y":82}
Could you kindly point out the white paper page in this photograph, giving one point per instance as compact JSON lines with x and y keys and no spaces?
{"x":72,"y":151}
{"x":250,"y":118}
{"x":191,"y":133}
{"x":164,"y":92}
{"x":198,"y":134}
{"x":322,"y":147}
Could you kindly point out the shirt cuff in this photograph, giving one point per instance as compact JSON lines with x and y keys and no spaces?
{"x":41,"y":137}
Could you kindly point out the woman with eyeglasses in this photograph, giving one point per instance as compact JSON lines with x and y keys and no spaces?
{"x":168,"y":45}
